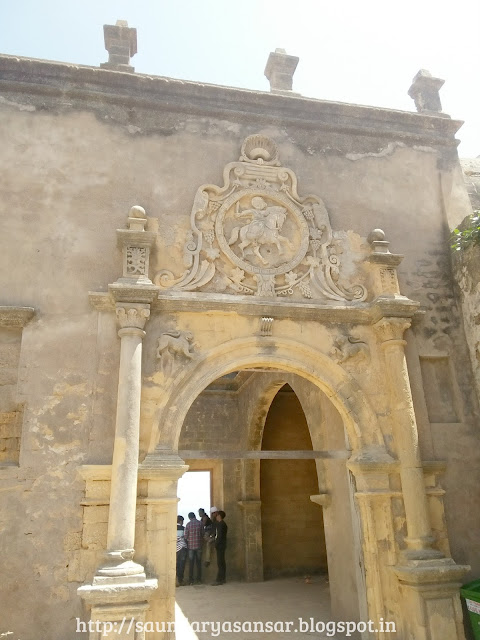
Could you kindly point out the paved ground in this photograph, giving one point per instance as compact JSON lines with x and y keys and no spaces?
{"x":279,"y":601}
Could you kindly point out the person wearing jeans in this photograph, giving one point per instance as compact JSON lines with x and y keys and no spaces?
{"x":194,"y":539}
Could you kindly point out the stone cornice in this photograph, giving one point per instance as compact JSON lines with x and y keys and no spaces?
{"x":59,"y":86}
{"x":359,"y":313}
{"x":15,"y":316}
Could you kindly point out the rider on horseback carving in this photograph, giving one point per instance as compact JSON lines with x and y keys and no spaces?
{"x":264,"y":228}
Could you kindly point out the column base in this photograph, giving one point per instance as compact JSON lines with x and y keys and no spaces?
{"x":118,"y":610}
{"x":119,"y":566}
{"x":431,"y":601}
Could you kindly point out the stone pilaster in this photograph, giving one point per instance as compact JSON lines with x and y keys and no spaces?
{"x":252,"y":528}
{"x":373,"y":469}
{"x":161,"y":470}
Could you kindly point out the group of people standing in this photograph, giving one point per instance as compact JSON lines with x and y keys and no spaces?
{"x":197,"y":536}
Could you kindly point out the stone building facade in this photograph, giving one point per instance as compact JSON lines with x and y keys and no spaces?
{"x":178,"y":260}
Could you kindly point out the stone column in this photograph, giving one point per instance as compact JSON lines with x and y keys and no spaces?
{"x":425,"y":601}
{"x":123,"y":497}
{"x":120,"y":590}
{"x":428,"y":580}
{"x":419,"y":538}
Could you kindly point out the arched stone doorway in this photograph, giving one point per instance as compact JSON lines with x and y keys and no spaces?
{"x":245,"y":354}
{"x":241,"y":402}
{"x":376,"y":513}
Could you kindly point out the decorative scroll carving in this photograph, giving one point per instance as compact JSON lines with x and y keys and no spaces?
{"x":257,"y":236}
{"x":347,"y":347}
{"x":172,"y":347}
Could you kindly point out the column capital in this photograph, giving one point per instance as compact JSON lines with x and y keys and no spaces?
{"x":132,"y":315}
{"x":391,"y":330}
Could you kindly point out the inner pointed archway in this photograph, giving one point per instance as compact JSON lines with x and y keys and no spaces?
{"x":292,"y":525}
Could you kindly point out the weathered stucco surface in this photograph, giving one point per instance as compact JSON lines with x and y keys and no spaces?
{"x":80,"y":147}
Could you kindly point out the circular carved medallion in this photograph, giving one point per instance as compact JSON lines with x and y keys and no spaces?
{"x":262,"y":232}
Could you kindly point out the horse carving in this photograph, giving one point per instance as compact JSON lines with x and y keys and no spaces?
{"x":264,"y":228}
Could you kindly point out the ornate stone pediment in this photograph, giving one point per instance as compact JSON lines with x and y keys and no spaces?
{"x":257,"y":236}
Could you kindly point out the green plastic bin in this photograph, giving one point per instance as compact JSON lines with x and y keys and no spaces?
{"x":471,"y":593}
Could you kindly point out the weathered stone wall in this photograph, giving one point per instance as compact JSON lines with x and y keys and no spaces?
{"x":76,"y":155}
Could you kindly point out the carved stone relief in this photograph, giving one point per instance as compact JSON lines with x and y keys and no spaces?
{"x":173,"y":348}
{"x":136,"y":260}
{"x":257,"y":236}
{"x":347,"y":347}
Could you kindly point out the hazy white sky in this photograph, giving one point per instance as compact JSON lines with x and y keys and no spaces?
{"x":364,"y":52}
{"x":194,"y":492}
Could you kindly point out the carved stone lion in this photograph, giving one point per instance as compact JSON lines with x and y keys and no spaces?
{"x":347,"y":347}
{"x":171,"y":345}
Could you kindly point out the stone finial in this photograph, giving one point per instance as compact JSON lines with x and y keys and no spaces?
{"x":280,"y":69}
{"x":425,"y":92}
{"x":136,"y":244}
{"x":121,"y":44}
{"x":137,"y":219}
{"x":376,"y":239}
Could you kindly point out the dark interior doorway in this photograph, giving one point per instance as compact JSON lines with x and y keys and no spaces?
{"x":292,"y":526}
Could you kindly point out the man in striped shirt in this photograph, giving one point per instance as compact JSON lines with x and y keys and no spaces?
{"x":194,"y":539}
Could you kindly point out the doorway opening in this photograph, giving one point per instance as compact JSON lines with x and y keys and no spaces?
{"x":292,"y":525}
{"x":276,"y":448}
{"x":194,"y":492}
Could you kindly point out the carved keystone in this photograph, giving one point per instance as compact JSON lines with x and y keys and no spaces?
{"x":266,"y":326}
{"x":121,"y":44}
{"x":280,"y":69}
{"x":425,"y":92}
